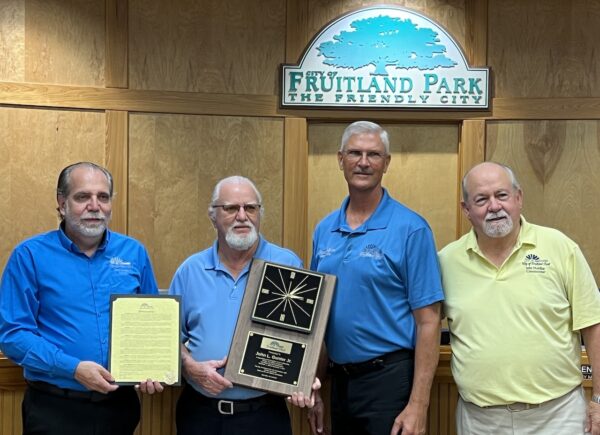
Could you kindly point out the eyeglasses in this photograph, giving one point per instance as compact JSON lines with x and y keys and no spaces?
{"x":372,"y":156}
{"x":233,"y":209}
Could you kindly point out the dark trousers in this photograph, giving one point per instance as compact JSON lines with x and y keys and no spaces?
{"x":367,"y":403}
{"x":199,"y":415}
{"x":45,"y":413}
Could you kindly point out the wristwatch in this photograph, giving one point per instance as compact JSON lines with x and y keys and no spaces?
{"x":596,"y":398}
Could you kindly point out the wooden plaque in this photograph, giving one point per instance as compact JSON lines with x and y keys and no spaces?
{"x":280,"y":328}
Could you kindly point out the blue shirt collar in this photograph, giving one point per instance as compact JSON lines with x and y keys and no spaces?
{"x":378,"y":220}
{"x":214,"y":262}
{"x":69,"y":245}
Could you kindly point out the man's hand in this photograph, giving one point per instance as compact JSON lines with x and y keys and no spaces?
{"x":150,"y":387}
{"x":298,"y":399}
{"x":411,"y":421}
{"x":94,"y":377}
{"x":316,"y":415}
{"x":593,"y":419}
{"x":205,"y":374}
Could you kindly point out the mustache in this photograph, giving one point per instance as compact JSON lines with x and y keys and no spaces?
{"x":246,"y":224}
{"x":93,"y":215}
{"x":499,"y":214}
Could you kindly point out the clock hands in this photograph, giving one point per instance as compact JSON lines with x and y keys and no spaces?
{"x":284,"y":294}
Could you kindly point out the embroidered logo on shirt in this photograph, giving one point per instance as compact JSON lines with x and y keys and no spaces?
{"x":116,"y":261}
{"x":120,"y":266}
{"x":534,"y":264}
{"x":325,"y":252}
{"x":372,"y":251}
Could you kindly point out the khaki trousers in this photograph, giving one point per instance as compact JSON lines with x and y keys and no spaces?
{"x":564,"y":415}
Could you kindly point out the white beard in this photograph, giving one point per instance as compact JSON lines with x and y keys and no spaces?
{"x":85,"y":230}
{"x":497,"y":229}
{"x":241,"y":242}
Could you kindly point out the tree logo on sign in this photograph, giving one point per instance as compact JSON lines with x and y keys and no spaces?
{"x":385,"y":41}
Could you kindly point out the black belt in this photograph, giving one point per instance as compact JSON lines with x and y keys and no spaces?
{"x":230,"y":407}
{"x":356,"y":369}
{"x":91,"y":396}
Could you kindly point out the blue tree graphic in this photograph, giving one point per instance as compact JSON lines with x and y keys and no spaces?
{"x":385,"y":41}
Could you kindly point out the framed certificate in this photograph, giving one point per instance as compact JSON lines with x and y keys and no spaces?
{"x":145,"y":338}
{"x":280,"y":328}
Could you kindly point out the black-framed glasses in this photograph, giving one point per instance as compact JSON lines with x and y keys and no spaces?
{"x":233,"y":209}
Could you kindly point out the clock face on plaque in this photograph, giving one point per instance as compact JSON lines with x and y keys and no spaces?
{"x":287,"y":297}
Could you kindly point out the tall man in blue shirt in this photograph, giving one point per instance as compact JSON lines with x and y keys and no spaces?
{"x":54,"y":309}
{"x":211,"y":284}
{"x":384,"y":325}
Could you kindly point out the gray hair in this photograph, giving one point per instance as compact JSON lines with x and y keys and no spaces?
{"x":513,"y":179}
{"x":234,"y":179}
{"x":362,"y":127}
{"x":63,"y":186}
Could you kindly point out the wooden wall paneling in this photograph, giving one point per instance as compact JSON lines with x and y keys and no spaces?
{"x":36,"y":145}
{"x":452,"y":402}
{"x":476,"y":27}
{"x":422,"y":173}
{"x":116,"y":71}
{"x":158,"y":412}
{"x":556,"y":163}
{"x":433,"y":411}
{"x":10,"y":411}
{"x":64,"y":42}
{"x":444,"y":412}
{"x":544,"y":48}
{"x":207,"y":46}
{"x":12,"y":40}
{"x":167,"y":411}
{"x":295,"y":194}
{"x":471,"y":152}
{"x":174,"y":163}
{"x":117,"y":163}
{"x":326,"y":185}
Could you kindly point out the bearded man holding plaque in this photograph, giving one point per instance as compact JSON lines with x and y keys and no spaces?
{"x":212,"y":284}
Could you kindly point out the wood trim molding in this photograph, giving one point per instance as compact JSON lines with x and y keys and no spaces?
{"x":296,"y":29}
{"x":476,"y":26}
{"x":295,"y":186}
{"x":471,"y":150}
{"x":117,"y":162}
{"x":116,"y":72}
{"x":92,"y":98}
{"x":546,"y":108}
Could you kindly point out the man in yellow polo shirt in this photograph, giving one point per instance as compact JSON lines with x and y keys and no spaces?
{"x":518,"y":296}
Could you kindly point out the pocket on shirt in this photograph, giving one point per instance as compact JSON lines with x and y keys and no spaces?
{"x":124,"y":283}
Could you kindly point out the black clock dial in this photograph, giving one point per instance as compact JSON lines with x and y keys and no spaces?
{"x":287,"y":297}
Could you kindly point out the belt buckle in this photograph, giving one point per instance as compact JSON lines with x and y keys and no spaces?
{"x":225,"y":411}
{"x":520,"y":406}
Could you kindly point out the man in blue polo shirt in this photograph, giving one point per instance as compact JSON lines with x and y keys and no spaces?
{"x":54,"y":312}
{"x":384,"y":324}
{"x":211,"y":284}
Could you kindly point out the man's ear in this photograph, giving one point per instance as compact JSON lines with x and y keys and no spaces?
{"x":340,"y":157}
{"x":61,"y":200}
{"x":465,"y":209}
